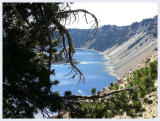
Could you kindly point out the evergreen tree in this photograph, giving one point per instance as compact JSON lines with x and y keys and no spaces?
{"x":34,"y":38}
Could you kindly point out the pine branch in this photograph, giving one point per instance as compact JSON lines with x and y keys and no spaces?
{"x":20,"y":18}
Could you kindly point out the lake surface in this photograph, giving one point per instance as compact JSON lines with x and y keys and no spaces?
{"x":92,"y":66}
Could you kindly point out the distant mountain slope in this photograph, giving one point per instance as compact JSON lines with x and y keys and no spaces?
{"x":139,"y":46}
{"x":110,"y":35}
{"x":126,"y":46}
{"x":79,"y":36}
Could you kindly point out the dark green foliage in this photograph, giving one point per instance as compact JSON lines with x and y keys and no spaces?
{"x":67,"y":93}
{"x":93,"y":91}
{"x":55,"y":82}
{"x":130,"y":113}
{"x":26,"y":70}
{"x":35,"y":38}
{"x":146,"y":100}
{"x":116,"y":86}
{"x":153,"y":69}
{"x":110,"y":86}
{"x":129,"y":102}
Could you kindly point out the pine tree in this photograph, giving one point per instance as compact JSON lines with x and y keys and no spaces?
{"x":34,"y":38}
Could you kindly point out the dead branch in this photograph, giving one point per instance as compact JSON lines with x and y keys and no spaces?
{"x":85,"y":12}
{"x":62,"y":29}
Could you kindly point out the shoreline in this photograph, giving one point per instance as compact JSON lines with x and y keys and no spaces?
{"x":90,"y":50}
{"x":120,"y":70}
{"x":109,"y":66}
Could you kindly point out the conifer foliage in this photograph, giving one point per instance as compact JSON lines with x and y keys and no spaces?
{"x":129,"y":102}
{"x":34,"y":38}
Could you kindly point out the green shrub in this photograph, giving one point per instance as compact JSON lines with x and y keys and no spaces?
{"x":129,"y":101}
{"x":131,"y":113}
{"x":93,"y":91}
{"x":116,"y":86}
{"x":146,"y":100}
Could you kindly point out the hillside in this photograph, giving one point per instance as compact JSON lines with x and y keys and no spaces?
{"x":110,"y":35}
{"x":126,"y":46}
{"x":150,"y":109}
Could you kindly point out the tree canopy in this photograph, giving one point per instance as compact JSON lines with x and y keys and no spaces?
{"x":34,"y":38}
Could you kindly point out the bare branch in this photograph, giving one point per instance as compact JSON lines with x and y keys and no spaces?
{"x":78,"y":10}
{"x":81,"y":10}
{"x":64,"y":30}
{"x":98,"y":96}
{"x":86,"y":18}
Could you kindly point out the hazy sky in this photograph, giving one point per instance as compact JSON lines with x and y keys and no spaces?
{"x":114,"y":13}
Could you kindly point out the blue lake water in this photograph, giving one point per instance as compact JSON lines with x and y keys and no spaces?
{"x":92,"y":66}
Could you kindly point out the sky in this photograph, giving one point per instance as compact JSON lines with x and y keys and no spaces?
{"x":119,"y":14}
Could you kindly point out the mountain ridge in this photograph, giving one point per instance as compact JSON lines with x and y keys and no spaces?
{"x":116,"y":33}
{"x":126,"y":46}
